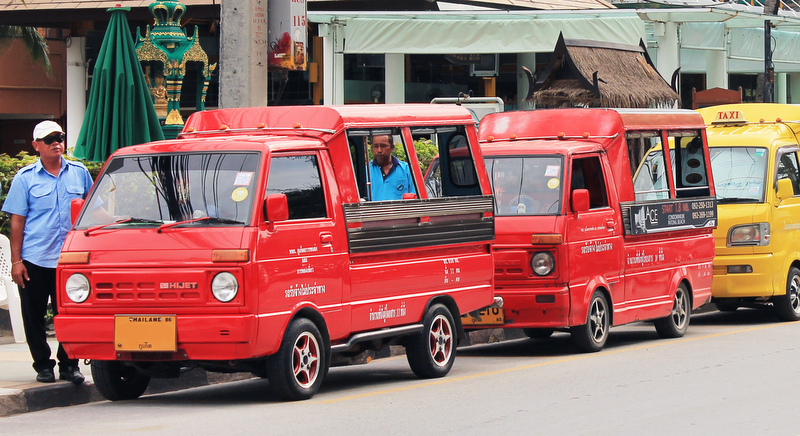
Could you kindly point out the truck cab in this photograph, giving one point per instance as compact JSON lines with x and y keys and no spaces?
{"x":596,"y":224}
{"x":754,"y":156}
{"x":254,"y":242}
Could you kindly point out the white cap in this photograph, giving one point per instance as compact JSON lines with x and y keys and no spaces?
{"x":45,"y":128}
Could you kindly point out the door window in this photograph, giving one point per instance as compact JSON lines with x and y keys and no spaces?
{"x":587,"y":173}
{"x":298,"y":177}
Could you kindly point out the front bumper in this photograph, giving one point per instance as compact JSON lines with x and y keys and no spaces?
{"x":758,"y":283}
{"x":199,"y":337}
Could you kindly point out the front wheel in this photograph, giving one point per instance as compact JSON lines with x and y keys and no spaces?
{"x":787,"y":306}
{"x":296,"y":371}
{"x":592,"y":336}
{"x":431,"y":353}
{"x":677,"y":322}
{"x":117,"y":381}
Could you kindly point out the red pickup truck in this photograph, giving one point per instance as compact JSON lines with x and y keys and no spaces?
{"x":253,"y":243}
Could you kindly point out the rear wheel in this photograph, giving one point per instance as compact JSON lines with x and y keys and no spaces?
{"x":296,"y":371}
{"x":788,"y":306}
{"x":538,"y":333}
{"x":592,"y":336}
{"x":431,"y":353}
{"x":677,"y":322}
{"x":117,"y":381}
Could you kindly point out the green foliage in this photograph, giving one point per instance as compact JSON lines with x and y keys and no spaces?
{"x":9,"y":167}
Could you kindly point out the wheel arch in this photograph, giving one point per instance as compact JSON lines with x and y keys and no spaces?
{"x":314,"y":316}
{"x":452,"y":306}
{"x":579,"y":302}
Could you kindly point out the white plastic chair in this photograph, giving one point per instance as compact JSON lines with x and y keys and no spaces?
{"x":9,"y":297}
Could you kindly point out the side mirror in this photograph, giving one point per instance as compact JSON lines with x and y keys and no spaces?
{"x":580,"y":200}
{"x":276,"y":208}
{"x":785,"y":189}
{"x":75,"y":207}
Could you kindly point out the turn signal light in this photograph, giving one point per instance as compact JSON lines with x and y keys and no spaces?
{"x":75,"y":257}
{"x":547,"y":238}
{"x":230,"y":255}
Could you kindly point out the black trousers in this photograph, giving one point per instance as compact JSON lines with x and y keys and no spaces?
{"x":40,"y":288}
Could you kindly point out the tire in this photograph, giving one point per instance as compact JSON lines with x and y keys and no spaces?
{"x":787,"y":306}
{"x":677,"y":322}
{"x":116,"y":381}
{"x":296,"y":371}
{"x":727,"y":307}
{"x":592,"y":336}
{"x":431,"y":353}
{"x":538,"y":333}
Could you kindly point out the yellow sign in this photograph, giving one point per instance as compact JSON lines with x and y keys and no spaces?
{"x":553,"y":183}
{"x":145,"y":333}
{"x":729,"y":117}
{"x":239,"y":194}
{"x":486,"y":316}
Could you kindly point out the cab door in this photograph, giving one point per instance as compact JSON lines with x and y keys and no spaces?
{"x":785,"y":236}
{"x":595,"y":238}
{"x":303,"y":261}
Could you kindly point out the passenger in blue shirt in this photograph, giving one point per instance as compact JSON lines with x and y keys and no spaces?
{"x":39,"y":205}
{"x":390,"y":177}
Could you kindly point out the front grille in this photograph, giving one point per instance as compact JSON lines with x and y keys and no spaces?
{"x":145,"y":291}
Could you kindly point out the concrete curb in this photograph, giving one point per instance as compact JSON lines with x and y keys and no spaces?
{"x":62,"y":394}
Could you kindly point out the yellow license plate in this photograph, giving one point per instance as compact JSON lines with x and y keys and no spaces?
{"x":486,"y":316}
{"x":145,"y":333}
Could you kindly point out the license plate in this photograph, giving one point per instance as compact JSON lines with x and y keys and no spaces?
{"x":486,"y":316}
{"x":145,"y":333}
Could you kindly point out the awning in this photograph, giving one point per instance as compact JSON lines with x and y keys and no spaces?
{"x":477,"y":32}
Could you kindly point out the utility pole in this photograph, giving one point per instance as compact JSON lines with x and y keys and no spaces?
{"x":770,"y":8}
{"x":243,"y":53}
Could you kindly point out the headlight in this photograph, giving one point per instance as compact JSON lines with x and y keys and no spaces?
{"x":224,"y":287}
{"x":542,"y":263}
{"x":78,"y":288}
{"x":749,"y":235}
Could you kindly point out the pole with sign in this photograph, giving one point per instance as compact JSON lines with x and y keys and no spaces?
{"x":287,"y":35}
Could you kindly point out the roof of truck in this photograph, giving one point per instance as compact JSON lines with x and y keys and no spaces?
{"x":591,"y":124}
{"x":320,"y":121}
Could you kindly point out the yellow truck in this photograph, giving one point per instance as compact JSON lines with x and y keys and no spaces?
{"x":754,"y":159}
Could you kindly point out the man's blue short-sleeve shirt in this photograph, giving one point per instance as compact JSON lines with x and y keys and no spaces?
{"x":44,"y":200}
{"x":394,"y":185}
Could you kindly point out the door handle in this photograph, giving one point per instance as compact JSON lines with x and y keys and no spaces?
{"x":326,"y":238}
{"x":610,"y":224}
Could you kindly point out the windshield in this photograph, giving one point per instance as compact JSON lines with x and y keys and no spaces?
{"x":739,"y":173}
{"x":526,"y":185}
{"x":204,"y":189}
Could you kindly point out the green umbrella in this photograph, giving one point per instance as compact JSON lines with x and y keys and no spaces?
{"x":120,"y":111}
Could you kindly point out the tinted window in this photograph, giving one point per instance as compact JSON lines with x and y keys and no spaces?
{"x":587,"y":173}
{"x":298,"y":177}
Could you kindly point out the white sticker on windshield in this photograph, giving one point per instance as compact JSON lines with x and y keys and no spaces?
{"x":552,"y":171}
{"x":755,"y":190}
{"x":243,"y":179}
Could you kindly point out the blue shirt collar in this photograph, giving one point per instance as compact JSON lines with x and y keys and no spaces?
{"x":39,"y":167}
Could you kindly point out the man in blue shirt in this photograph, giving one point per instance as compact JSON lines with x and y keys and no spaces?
{"x":39,"y":204}
{"x":390,"y":177}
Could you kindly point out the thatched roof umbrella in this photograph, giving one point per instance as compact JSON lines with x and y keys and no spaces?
{"x":585,"y":73}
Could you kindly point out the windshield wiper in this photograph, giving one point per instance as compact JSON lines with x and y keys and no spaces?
{"x":736,"y":200}
{"x":122,"y":221}
{"x":205,"y":218}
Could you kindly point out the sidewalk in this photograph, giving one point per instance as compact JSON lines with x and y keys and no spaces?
{"x":21,"y":393}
